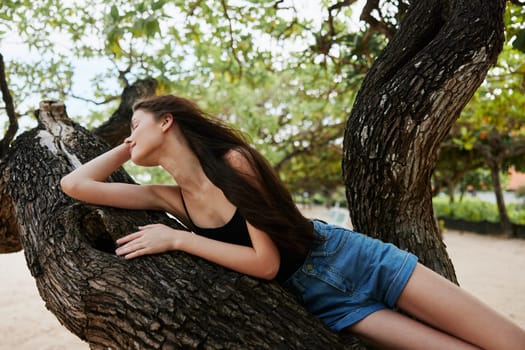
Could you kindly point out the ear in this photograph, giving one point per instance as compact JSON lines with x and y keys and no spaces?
{"x":167,"y":121}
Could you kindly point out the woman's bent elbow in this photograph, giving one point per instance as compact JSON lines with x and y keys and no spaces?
{"x":68,"y":185}
{"x":270,"y":272}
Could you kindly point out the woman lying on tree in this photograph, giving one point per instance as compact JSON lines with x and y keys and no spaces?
{"x":242,"y":217}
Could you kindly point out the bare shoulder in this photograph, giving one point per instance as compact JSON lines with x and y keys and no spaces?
{"x":239,"y":160}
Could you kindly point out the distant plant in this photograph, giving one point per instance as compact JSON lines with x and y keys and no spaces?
{"x":471,"y":209}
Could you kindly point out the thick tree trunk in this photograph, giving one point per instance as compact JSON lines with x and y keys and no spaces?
{"x":164,"y":301}
{"x":9,"y":235}
{"x":405,"y":108}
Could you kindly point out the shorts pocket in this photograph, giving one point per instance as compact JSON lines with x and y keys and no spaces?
{"x":318,"y":269}
{"x":325,"y":262}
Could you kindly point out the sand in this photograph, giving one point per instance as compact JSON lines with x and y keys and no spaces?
{"x":489,"y":267}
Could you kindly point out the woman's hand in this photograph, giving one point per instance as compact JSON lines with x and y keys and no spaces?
{"x":150,"y":239}
{"x":262,"y":260}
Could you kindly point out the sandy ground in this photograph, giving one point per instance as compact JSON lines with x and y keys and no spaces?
{"x":489,"y":267}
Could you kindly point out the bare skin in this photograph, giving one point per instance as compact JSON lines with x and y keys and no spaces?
{"x":160,"y":143}
{"x":450,"y":318}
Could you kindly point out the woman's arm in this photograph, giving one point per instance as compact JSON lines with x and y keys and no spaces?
{"x":87,"y":183}
{"x":262,"y":260}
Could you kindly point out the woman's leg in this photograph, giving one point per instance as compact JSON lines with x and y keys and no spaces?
{"x":388,"y":329}
{"x":433,"y":299}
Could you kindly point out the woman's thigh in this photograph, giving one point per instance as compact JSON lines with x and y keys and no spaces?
{"x":388,"y":329}
{"x":442,"y":304}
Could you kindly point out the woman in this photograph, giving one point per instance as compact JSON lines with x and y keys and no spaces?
{"x":242,"y":217}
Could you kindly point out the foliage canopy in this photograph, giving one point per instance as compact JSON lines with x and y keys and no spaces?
{"x":284,"y":72}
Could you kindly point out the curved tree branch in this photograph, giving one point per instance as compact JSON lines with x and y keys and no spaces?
{"x":9,"y":234}
{"x":10,"y":110}
{"x":232,"y":39}
{"x":98,"y":103}
{"x":375,"y":24}
{"x":116,"y":128}
{"x":336,"y":7}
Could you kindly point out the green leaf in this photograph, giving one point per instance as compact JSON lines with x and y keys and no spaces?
{"x":113,"y":44}
{"x":157,"y":4}
{"x":114,"y":13}
{"x":138,"y":28}
{"x":141,"y":7}
{"x":519,"y":43}
{"x":151,"y":26}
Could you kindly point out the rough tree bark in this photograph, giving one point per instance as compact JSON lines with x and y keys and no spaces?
{"x":9,"y":235}
{"x":164,"y":301}
{"x":406,"y":106}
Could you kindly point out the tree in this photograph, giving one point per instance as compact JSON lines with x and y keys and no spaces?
{"x":164,"y":296}
{"x":453,"y":164}
{"x":9,"y":238}
{"x":406,"y":105}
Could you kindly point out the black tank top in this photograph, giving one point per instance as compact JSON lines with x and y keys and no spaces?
{"x":236,"y":232}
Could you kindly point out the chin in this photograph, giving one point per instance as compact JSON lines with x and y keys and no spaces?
{"x":143,"y":162}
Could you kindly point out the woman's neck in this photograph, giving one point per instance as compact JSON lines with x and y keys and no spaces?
{"x":189,"y":176}
{"x":184,"y":166}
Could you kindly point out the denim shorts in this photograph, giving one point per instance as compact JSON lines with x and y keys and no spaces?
{"x":347,"y":276}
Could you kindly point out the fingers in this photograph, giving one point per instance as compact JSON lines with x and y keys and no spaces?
{"x":128,"y":248}
{"x":129,"y":245}
{"x":133,"y":249}
{"x":136,"y":253}
{"x":132,"y":246}
{"x":129,"y":238}
{"x":141,"y":242}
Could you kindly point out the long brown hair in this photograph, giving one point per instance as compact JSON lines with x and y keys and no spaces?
{"x":265,"y":203}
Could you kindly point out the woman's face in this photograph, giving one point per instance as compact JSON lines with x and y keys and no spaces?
{"x":145,"y":139}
